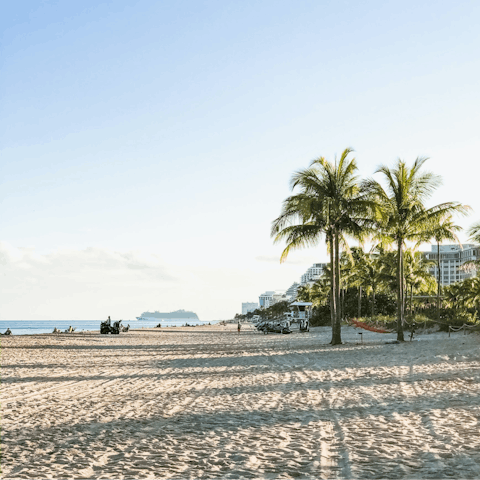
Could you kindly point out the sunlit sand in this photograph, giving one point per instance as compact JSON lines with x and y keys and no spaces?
{"x":209,"y":403}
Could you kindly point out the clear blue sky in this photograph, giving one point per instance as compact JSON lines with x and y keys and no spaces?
{"x":163,"y":135}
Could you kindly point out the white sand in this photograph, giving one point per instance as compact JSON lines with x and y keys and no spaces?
{"x":207,"y":403}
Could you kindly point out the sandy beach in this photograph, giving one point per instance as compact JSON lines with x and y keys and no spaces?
{"x":205,"y":402}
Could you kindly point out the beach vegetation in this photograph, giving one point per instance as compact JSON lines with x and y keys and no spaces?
{"x":329,"y":203}
{"x":402,"y":215}
{"x":275,"y":311}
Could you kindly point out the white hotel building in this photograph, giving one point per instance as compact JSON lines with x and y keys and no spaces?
{"x":313,"y":273}
{"x":452,"y":257}
{"x":266,"y":299}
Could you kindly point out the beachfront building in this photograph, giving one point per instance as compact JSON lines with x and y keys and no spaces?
{"x":249,"y":307}
{"x":272,"y":297}
{"x":452,"y":262}
{"x":313,"y":273}
{"x":292,"y":291}
{"x":265,"y":299}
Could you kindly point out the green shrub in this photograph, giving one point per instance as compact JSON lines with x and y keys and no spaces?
{"x":321,"y":316}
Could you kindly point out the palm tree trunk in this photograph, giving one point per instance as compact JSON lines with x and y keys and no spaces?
{"x":336,"y":337}
{"x":359,"y":302}
{"x":333,"y":304}
{"x":400,"y":302}
{"x":340,"y":303}
{"x":439,"y":279}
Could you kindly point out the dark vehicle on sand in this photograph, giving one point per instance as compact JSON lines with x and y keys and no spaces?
{"x":274,"y":326}
{"x":106,"y":327}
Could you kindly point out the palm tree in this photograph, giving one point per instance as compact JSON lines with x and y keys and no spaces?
{"x":454,"y":295}
{"x":355,"y":265}
{"x":388,"y":269}
{"x":464,"y":296}
{"x":373,"y":277}
{"x":318,"y":293}
{"x":474,"y":232}
{"x":472,"y":294}
{"x":402,"y":215}
{"x":366,"y":272}
{"x":330,"y":203}
{"x":417,"y":274}
{"x":304,"y":293}
{"x":321,"y":291}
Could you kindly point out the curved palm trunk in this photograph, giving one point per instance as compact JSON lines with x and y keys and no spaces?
{"x":439,"y":278}
{"x":336,"y":331}
{"x":400,"y":294}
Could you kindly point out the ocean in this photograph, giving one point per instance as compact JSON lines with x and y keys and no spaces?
{"x":30,"y":327}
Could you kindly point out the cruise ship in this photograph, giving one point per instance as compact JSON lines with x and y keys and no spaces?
{"x":177,"y":315}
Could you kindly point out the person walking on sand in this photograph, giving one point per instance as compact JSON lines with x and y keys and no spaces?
{"x":239,"y":326}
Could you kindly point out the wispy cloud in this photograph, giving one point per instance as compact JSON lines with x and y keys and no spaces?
{"x":76,"y":282}
{"x":78,"y":262}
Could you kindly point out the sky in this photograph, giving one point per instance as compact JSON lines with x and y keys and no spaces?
{"x":146,"y":146}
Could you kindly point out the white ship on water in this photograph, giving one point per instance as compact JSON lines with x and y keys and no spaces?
{"x":177,"y":315}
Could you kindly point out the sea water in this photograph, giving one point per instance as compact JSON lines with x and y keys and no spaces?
{"x":30,"y":327}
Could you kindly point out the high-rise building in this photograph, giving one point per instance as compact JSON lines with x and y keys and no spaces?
{"x":313,"y":273}
{"x":265,"y":299}
{"x":452,"y":258}
{"x":249,"y":307}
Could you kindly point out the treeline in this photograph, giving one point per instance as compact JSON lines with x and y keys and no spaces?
{"x":277,"y":310}
{"x":331,"y":203}
{"x":370,"y":285}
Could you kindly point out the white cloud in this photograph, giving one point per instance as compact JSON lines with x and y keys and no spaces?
{"x":93,"y":283}
{"x":76,"y":284}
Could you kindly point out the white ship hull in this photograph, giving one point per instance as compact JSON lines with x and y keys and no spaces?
{"x":158,"y":319}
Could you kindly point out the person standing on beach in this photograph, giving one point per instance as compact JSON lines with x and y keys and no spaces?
{"x":239,"y":326}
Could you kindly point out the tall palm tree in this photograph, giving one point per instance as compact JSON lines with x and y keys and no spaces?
{"x":403,"y":216}
{"x":330,"y":203}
